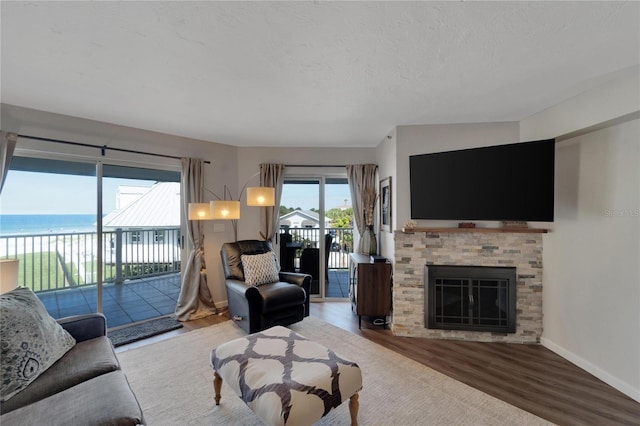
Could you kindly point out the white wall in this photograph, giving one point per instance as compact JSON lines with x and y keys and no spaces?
{"x":591,"y":296}
{"x":386,"y":160}
{"x":611,"y":100}
{"x":424,"y":139}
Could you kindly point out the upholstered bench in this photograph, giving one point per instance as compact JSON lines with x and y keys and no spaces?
{"x":286,"y":378}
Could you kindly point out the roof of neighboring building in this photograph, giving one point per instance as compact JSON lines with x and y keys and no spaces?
{"x":157,"y":208}
{"x":304,"y":213}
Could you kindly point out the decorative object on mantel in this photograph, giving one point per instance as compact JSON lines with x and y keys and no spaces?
{"x":469,"y":225}
{"x":514,"y":224}
{"x":409,"y":225}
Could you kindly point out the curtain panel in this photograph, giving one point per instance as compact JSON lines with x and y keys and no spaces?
{"x":195,"y":299}
{"x":271,"y":175}
{"x":362,"y":178}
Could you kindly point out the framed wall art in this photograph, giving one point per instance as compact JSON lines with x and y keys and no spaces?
{"x":385,"y":205}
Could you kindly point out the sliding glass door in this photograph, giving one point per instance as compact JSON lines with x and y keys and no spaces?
{"x":339,"y":231}
{"x":49,"y":223}
{"x":316,"y":224}
{"x":141,"y":231}
{"x":93,"y":237}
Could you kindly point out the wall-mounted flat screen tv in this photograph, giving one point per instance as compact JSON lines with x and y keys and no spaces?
{"x":511,"y":182}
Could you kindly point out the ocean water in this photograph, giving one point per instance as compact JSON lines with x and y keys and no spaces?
{"x":19,"y":224}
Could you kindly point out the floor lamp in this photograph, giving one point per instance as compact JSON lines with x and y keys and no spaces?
{"x":229,"y":209}
{"x":8,"y":274}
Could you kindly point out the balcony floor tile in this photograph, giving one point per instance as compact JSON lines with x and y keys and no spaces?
{"x":136,"y":300}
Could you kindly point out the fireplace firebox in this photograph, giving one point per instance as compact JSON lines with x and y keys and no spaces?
{"x":476,"y":298}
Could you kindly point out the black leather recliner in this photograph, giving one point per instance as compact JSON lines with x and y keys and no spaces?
{"x":258,"y":308}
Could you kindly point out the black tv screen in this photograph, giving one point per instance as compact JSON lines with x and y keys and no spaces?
{"x":506,"y":182}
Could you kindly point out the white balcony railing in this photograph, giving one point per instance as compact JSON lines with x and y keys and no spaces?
{"x":55,"y":261}
{"x":341,"y":243}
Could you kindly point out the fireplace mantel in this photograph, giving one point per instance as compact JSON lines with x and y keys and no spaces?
{"x":484,"y":230}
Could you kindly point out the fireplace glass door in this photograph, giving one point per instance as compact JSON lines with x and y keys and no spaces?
{"x":470,"y":298}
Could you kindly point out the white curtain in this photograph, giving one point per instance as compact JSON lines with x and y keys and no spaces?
{"x":362,"y":178}
{"x":195,"y":299}
{"x":271,"y":175}
{"x":7,"y":146}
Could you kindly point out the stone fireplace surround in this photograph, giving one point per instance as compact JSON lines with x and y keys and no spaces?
{"x":415,"y":250}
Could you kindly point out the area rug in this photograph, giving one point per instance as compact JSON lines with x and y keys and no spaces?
{"x":172,"y":380}
{"x":140,"y":331}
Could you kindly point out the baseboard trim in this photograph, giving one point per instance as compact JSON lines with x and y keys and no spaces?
{"x":620,"y":385}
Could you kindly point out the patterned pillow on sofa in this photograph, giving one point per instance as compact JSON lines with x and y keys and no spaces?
{"x":260,"y":268}
{"x":30,"y":340}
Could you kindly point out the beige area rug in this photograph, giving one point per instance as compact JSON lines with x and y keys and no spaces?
{"x":173,"y":382}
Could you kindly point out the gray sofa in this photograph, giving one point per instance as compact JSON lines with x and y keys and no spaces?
{"x":84,"y":387}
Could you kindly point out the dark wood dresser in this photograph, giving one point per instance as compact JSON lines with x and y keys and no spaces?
{"x":369,"y":287}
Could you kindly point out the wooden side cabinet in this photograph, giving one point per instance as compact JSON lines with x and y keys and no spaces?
{"x":369,"y":287}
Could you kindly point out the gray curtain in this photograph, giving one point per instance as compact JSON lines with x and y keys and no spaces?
{"x":271,"y":175}
{"x":7,"y":146}
{"x":362,"y":178}
{"x":195,"y":299}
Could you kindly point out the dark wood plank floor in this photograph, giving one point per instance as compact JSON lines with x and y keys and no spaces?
{"x":530,"y":377}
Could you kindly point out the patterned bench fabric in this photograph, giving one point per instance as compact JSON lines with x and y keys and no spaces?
{"x":284,"y":377}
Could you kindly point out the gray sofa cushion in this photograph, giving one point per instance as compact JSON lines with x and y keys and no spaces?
{"x":85,"y":327}
{"x":84,"y":361}
{"x":31,"y":340}
{"x":103,"y":400}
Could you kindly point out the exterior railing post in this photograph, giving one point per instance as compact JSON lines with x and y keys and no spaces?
{"x":119,"y":279}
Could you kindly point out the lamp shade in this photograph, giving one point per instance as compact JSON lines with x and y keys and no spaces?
{"x":200,"y":211}
{"x":8,"y":274}
{"x":260,"y":196}
{"x":223,"y":209}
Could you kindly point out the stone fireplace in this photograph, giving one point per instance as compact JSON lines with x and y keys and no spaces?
{"x":414,"y":251}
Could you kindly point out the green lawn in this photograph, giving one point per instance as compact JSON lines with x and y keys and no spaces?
{"x":42,"y":271}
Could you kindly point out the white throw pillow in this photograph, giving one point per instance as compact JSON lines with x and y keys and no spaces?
{"x":260,"y":268}
{"x":30,"y":338}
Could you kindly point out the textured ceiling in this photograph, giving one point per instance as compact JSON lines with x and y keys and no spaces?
{"x":308,"y":73}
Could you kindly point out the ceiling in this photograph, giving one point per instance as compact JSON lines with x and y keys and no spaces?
{"x":308,"y":73}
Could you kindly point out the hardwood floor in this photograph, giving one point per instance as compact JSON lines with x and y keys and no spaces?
{"x":530,"y":377}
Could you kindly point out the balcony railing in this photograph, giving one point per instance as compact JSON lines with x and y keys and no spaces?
{"x":55,"y":261}
{"x":341,"y":243}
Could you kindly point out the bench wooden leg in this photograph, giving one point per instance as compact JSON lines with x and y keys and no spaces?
{"x":354,"y":405}
{"x":217,"y":385}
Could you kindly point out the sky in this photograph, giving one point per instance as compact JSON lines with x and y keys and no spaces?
{"x":306,"y":196}
{"x":49,"y":193}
